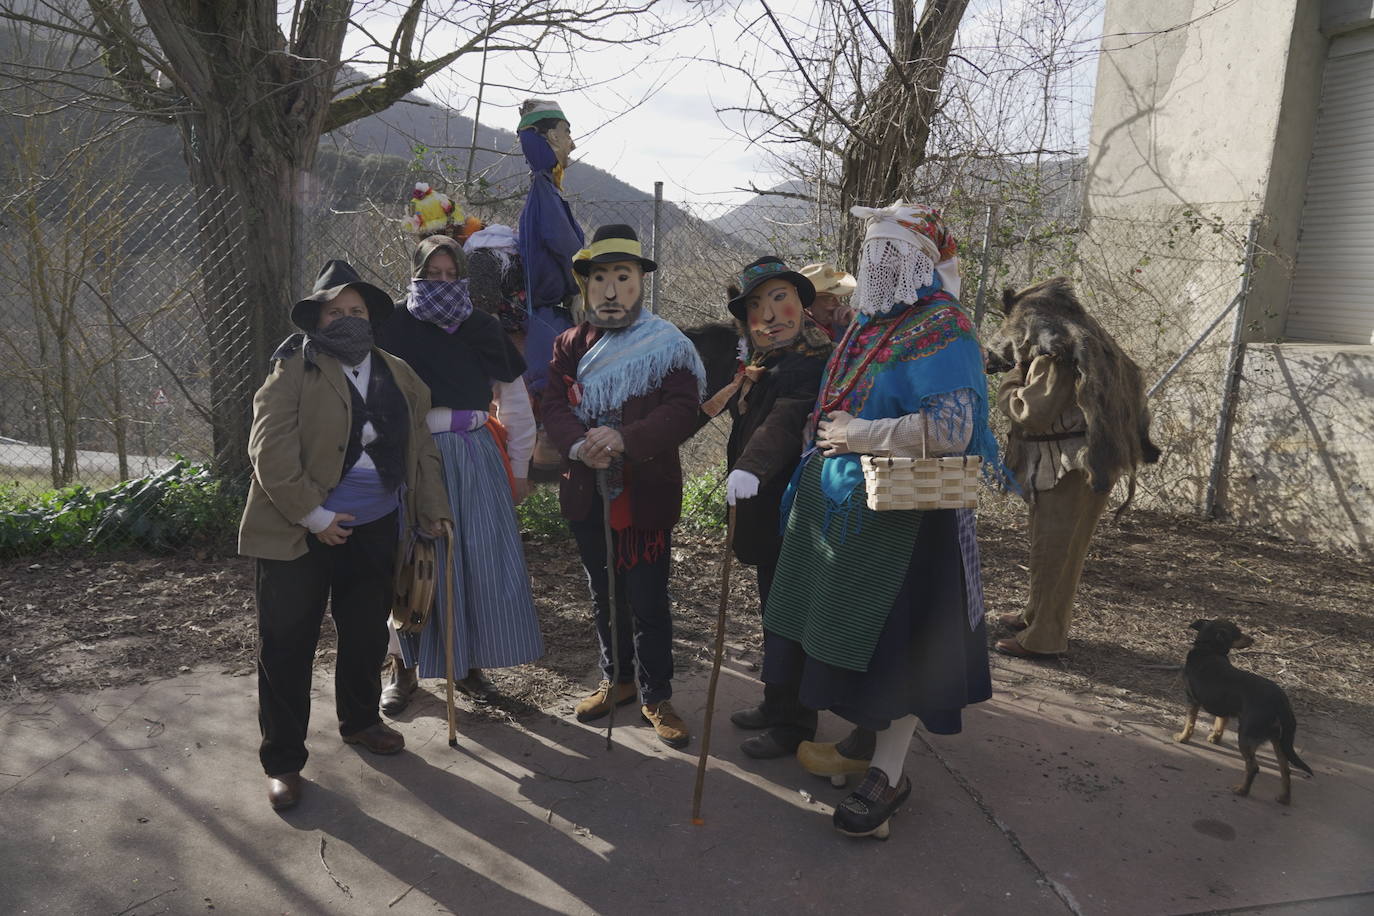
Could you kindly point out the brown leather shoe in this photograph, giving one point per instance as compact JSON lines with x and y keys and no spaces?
{"x":284,"y":790}
{"x":1010,"y":646}
{"x":396,"y":695}
{"x":1012,"y":621}
{"x":599,"y":703}
{"x":379,"y":738}
{"x":671,"y":730}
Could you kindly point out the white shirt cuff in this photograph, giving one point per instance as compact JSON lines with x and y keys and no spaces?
{"x":319,"y":519}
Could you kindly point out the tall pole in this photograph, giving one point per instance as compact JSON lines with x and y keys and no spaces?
{"x":1221,"y":452}
{"x":653,"y":245}
{"x":983,"y":272}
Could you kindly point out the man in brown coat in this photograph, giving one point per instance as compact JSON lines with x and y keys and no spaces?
{"x":1078,"y":424}
{"x":622,"y":396}
{"x":338,"y":432}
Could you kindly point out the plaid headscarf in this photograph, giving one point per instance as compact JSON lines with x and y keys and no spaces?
{"x":442,"y":302}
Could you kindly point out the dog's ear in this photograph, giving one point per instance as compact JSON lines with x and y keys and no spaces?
{"x":1008,"y":300}
{"x":1199,"y":625}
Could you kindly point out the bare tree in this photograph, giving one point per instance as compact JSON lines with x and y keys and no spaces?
{"x":251,"y":88}
{"x":866,"y":101}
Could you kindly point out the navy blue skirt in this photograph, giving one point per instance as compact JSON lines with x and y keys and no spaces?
{"x":927,"y":661}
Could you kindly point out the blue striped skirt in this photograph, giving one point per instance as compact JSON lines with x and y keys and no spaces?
{"x":493,"y":610}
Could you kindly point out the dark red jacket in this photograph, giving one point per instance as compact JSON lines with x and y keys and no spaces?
{"x":653,"y":425}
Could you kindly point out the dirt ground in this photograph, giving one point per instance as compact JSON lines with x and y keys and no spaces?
{"x":72,"y":623}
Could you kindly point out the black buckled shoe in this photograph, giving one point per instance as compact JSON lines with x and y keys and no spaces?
{"x":868,"y":809}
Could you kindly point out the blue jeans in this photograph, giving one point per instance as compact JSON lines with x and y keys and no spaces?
{"x":644,"y":621}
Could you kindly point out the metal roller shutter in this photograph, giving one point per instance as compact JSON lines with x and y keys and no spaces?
{"x":1333,"y":285}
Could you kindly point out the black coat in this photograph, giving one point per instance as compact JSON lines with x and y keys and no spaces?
{"x":766,"y":441}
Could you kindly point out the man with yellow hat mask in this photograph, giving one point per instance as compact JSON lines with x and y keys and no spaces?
{"x":623,"y":392}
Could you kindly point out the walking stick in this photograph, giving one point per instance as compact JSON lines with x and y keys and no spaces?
{"x":603,"y":484}
{"x":449,"y":624}
{"x":715,"y":669}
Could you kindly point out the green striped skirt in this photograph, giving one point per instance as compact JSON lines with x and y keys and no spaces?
{"x":836,"y":582}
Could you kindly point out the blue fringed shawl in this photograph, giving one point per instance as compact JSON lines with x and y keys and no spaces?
{"x":627,"y":363}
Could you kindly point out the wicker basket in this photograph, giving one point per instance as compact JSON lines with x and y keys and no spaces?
{"x":416,"y":583}
{"x":922,"y":483}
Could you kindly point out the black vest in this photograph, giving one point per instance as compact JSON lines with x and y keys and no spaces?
{"x":386,"y":407}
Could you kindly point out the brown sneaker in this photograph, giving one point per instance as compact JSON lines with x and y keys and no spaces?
{"x":599,"y":703}
{"x":671,"y":730}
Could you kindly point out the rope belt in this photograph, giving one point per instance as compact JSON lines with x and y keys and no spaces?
{"x":1055,"y":437}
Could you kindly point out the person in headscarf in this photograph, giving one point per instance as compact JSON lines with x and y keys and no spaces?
{"x":623,"y":394}
{"x":341,"y":463}
{"x":878,"y":616}
{"x":769,"y":402}
{"x":469,"y":363}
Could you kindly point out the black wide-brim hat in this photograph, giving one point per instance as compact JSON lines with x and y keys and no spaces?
{"x":611,"y":245}
{"x":335,"y":277}
{"x":761,"y":271}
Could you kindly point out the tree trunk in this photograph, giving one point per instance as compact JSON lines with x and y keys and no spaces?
{"x":249,"y":235}
{"x":881,"y":161}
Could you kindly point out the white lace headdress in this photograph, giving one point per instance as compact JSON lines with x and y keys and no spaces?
{"x":897,"y":259}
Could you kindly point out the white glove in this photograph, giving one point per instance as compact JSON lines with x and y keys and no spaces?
{"x":740,"y":485}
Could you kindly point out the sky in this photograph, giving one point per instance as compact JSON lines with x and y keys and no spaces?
{"x":657,"y":110}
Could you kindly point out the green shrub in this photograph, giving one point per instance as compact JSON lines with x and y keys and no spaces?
{"x":703,"y":500}
{"x":539,"y":513}
{"x":183,"y":505}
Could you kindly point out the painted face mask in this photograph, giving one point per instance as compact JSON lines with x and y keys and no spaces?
{"x":615,"y":293}
{"x":775,"y":315}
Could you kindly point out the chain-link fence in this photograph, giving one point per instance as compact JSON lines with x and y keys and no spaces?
{"x":111,"y":348}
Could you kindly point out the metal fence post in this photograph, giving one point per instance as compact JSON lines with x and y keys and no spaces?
{"x":983,"y":271}
{"x":653,"y":246}
{"x":1221,"y":452}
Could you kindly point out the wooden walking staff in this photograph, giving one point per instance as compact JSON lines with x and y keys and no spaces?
{"x":715,"y":668}
{"x":452,"y":611}
{"x":603,"y":484}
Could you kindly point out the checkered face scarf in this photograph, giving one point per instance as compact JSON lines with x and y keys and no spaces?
{"x":442,"y":302}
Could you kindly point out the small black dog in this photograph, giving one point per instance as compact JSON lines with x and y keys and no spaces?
{"x":1225,"y":691}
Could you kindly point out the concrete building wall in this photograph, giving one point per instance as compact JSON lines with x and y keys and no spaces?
{"x":1197,"y":128}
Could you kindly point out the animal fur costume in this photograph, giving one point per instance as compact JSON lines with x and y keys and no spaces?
{"x":1047,"y":319}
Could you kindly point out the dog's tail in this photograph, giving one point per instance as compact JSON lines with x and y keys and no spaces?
{"x":1288,"y":728}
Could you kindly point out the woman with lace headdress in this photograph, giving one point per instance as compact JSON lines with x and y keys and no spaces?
{"x":878,"y":616}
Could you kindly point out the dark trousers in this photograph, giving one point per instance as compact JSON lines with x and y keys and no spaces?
{"x":644,"y":619}
{"x":355,"y":580}
{"x":781,"y":700}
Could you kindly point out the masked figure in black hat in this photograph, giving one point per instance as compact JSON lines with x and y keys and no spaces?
{"x":341,"y":461}
{"x":769,"y":403}
{"x":623,"y":391}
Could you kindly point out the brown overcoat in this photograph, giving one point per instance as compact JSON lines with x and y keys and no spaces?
{"x":301,"y":420}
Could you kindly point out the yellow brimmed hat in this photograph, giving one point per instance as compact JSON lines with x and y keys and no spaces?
{"x":610,"y":244}
{"x":827,"y":278}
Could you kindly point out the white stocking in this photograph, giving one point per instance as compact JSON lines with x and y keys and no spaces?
{"x":393,"y":646}
{"x":893,"y":743}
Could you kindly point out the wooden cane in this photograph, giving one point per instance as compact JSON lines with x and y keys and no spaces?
{"x":603,"y":484}
{"x":449,"y":623}
{"x":715,"y":668}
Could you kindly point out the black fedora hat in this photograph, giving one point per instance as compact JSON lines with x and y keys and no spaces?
{"x":610,"y":245}
{"x":335,"y":277}
{"x":761,"y":271}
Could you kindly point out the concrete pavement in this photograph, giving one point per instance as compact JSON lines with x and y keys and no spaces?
{"x":149,"y":799}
